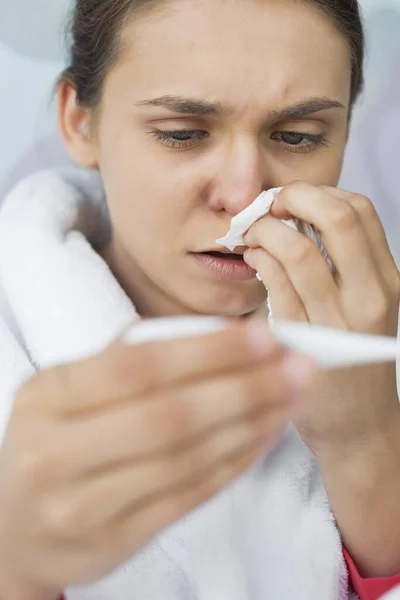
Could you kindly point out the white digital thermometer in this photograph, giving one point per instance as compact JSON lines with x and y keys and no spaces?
{"x":328,"y":348}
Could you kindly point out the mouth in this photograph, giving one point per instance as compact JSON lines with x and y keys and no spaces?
{"x":224,"y":255}
{"x":225,"y":265}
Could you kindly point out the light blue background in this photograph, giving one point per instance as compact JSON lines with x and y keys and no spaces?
{"x":32,"y":56}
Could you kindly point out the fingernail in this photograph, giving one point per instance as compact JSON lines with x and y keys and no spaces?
{"x":299,"y":371}
{"x":260,"y":337}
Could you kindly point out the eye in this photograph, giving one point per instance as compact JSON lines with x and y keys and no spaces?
{"x":181,"y":138}
{"x":294,"y":141}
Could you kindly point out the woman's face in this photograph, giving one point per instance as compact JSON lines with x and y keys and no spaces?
{"x":212,"y":102}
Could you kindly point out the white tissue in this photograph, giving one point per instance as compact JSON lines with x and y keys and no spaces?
{"x":328,"y":348}
{"x":250,"y":215}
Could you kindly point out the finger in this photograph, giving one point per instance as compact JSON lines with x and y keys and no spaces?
{"x":147,"y":521}
{"x":342,"y":234}
{"x":176,"y":419}
{"x":306,"y":269}
{"x":122,"y":371}
{"x":284,"y":300}
{"x":376,"y":235}
{"x":138,"y":484}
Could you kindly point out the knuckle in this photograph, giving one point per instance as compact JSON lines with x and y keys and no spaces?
{"x":65,"y":519}
{"x":166,"y":420}
{"x":37,"y":469}
{"x":362,"y":205}
{"x":28,"y":394}
{"x":57,"y":378}
{"x":302,"y":253}
{"x":343,"y":216}
{"x":292,"y":191}
{"x":56,"y":382}
{"x":377,"y":309}
{"x":293,"y":187}
{"x":42,"y":388}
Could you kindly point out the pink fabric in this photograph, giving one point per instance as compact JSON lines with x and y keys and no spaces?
{"x":369,"y":589}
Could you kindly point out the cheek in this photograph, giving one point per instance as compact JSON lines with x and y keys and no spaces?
{"x":330,"y":167}
{"x":148,"y":198}
{"x":322,"y":169}
{"x":331,"y":161}
{"x":140,"y":206}
{"x":136,"y":190}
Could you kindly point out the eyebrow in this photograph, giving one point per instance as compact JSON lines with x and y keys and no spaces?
{"x":304,"y":109}
{"x":187,"y":106}
{"x":199,"y":107}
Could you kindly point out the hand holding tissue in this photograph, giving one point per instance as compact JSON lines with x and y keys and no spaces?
{"x":253,"y":213}
{"x":321,"y":295}
{"x":329,"y":347}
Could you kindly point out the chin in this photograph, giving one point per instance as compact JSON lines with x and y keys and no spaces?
{"x":231,"y":302}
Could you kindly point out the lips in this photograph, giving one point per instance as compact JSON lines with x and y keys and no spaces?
{"x":224,"y":265}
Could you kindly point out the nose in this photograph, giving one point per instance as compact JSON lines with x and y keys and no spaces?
{"x":240,"y":178}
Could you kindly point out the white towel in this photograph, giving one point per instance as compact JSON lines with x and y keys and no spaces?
{"x":271,"y":533}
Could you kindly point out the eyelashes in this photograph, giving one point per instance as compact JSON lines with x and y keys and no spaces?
{"x":181,"y":138}
{"x":290,"y":141}
{"x":294,"y":141}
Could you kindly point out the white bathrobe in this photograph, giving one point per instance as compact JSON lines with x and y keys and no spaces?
{"x":269,"y":535}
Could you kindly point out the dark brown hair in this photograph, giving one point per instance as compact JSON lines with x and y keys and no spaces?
{"x":95,"y":40}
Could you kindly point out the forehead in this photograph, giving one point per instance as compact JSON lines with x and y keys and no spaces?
{"x":272,"y":52}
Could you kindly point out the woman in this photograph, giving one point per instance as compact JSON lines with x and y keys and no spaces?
{"x":189,"y":109}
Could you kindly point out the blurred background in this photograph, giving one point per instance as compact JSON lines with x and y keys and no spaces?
{"x":32,"y":54}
